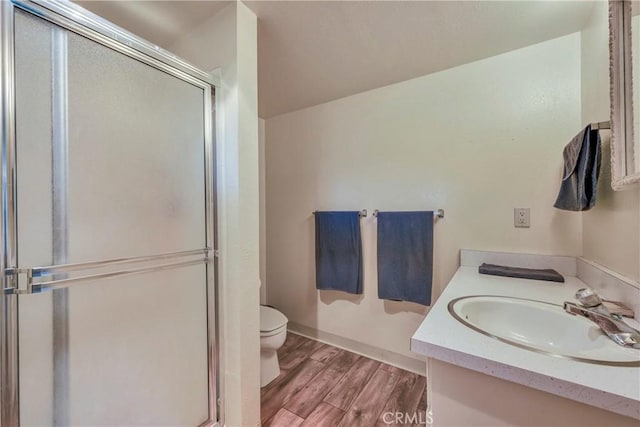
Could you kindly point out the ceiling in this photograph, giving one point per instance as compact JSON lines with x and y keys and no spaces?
{"x":310,"y":52}
{"x":160,"y":22}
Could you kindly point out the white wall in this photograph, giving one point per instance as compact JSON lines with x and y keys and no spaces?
{"x":263,"y":214}
{"x":476,"y":140}
{"x":611,"y":230}
{"x":229,"y":41}
{"x":212,"y":44}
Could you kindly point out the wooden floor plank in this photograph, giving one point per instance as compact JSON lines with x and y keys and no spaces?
{"x":350,"y":385}
{"x":422,"y":403}
{"x":323,"y":386}
{"x":277,"y":396}
{"x":394,"y":370}
{"x":324,"y":415}
{"x":418,"y":389}
{"x":284,"y":418}
{"x":326,"y":354}
{"x":404,"y":398}
{"x":292,"y":342}
{"x":281,"y":377}
{"x":422,"y":409}
{"x":346,"y":360}
{"x":304,"y":402}
{"x":369,"y":404}
{"x":297,"y":355}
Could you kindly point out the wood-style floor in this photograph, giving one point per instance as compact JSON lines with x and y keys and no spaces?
{"x":320,"y":385}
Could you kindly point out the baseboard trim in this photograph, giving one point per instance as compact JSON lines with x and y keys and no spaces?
{"x":415,"y":365}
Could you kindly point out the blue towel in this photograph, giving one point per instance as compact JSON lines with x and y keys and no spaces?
{"x":339,"y":251}
{"x":405,"y":256}
{"x":582,"y":158}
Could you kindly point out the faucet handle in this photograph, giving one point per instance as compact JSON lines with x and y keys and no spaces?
{"x":588,"y":297}
{"x":619,"y":308}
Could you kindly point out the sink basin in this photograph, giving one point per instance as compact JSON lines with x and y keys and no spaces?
{"x":541,"y":327}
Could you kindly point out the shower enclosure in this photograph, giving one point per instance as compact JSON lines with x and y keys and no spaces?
{"x":107,"y":302}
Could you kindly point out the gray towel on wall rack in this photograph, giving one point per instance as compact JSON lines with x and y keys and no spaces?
{"x":338,"y":251}
{"x":405,"y":256}
{"x":582,"y":157}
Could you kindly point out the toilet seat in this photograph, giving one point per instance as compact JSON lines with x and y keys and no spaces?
{"x":271,"y":321}
{"x":264,"y":334}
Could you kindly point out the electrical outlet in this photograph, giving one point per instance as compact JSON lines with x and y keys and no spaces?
{"x":522,"y":217}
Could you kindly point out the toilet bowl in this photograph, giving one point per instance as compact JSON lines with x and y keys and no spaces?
{"x":273,"y":332}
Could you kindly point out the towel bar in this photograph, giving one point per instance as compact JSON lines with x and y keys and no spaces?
{"x":601,"y":125}
{"x":363,"y":213}
{"x":439,"y":213}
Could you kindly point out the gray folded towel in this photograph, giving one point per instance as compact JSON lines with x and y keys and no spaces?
{"x":549,"y":274}
{"x":581,"y":171}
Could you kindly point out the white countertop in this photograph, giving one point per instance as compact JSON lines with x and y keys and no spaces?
{"x":442,"y":337}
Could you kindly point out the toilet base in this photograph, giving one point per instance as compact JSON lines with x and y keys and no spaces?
{"x":269,"y":366}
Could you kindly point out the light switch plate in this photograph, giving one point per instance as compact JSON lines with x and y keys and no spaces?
{"x":522,"y":217}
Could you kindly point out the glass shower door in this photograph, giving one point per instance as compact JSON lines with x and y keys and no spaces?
{"x":112,"y":235}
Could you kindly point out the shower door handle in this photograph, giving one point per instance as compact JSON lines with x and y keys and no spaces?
{"x":42,"y":279}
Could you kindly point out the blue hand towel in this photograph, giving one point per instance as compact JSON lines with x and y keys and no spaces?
{"x":339,"y":251}
{"x":405,"y":256}
{"x":582,"y":158}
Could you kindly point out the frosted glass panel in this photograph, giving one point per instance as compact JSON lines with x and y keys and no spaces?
{"x":136,"y":157}
{"x":133,"y":351}
{"x":33,"y":155}
{"x":138,"y":350}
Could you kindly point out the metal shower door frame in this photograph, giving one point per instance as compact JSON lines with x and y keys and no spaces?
{"x":76,"y":19}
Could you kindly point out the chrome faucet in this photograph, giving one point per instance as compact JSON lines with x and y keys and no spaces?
{"x":609,"y":320}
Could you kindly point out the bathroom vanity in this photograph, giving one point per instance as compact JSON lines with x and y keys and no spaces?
{"x":475,"y":378}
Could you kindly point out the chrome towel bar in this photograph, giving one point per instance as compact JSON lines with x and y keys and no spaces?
{"x":601,"y":125}
{"x":34,"y":275}
{"x":438,"y":213}
{"x":363,"y":213}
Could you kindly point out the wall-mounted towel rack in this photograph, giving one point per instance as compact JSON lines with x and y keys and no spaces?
{"x":601,"y":125}
{"x":363,"y":213}
{"x":439,"y":213}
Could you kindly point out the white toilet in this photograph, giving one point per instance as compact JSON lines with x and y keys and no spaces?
{"x":273,"y":332}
